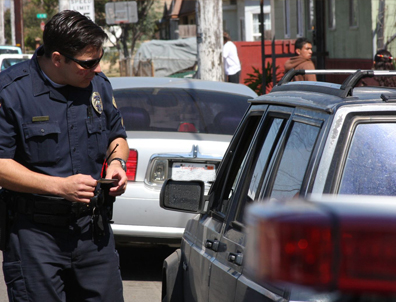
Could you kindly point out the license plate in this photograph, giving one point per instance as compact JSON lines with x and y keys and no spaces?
{"x":193,"y":171}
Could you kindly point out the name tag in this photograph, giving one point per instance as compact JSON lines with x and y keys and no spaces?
{"x":40,"y":118}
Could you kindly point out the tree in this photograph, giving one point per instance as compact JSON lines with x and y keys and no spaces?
{"x":31,"y":25}
{"x":210,"y":40}
{"x":130,"y":33}
{"x":50,"y":7}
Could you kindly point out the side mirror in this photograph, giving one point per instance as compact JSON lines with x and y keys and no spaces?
{"x":183,"y":196}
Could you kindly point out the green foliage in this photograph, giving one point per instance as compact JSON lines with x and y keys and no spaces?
{"x":31,"y":25}
{"x":50,"y":7}
{"x":255,"y":79}
{"x":149,"y":11}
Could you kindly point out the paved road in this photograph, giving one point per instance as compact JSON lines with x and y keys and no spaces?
{"x":141,"y":273}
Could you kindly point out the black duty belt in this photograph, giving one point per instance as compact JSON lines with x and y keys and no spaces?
{"x":50,"y":210}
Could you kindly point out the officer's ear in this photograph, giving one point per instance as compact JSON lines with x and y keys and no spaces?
{"x":298,"y":51}
{"x":56,"y":58}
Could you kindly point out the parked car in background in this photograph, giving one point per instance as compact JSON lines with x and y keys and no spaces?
{"x":9,"y":49}
{"x":177,"y":128}
{"x":301,"y":139}
{"x":7,"y":60}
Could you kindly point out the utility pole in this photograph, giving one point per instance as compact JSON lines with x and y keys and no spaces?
{"x":262,"y":30}
{"x":2,"y":38}
{"x":12,"y":13}
{"x":18,"y":9}
{"x":210,"y":39}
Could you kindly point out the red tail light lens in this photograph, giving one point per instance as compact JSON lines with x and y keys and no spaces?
{"x":132,"y":165}
{"x":297,"y":249}
{"x":368,"y":249}
{"x":327,"y":246}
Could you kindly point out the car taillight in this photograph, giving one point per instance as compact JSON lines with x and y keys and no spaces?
{"x":132,"y":165}
{"x":323,"y":247}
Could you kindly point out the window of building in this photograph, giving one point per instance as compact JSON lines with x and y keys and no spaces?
{"x":332,"y":17}
{"x":286,"y":12}
{"x":300,"y":18}
{"x":353,"y":13}
{"x":256,"y":26}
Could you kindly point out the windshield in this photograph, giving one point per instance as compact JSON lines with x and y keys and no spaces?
{"x":180,"y":110}
{"x":9,"y":62}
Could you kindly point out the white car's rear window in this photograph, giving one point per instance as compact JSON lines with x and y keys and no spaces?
{"x":180,"y":110}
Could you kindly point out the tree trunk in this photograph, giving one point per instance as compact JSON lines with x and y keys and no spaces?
{"x":2,"y":38}
{"x":210,"y":39}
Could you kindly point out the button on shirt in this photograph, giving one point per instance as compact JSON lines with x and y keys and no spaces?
{"x":55,"y":131}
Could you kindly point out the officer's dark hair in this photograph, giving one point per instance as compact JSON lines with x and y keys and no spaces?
{"x":300,"y":42}
{"x":69,"y":32}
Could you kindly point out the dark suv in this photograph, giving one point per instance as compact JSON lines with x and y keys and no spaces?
{"x":302,"y":138}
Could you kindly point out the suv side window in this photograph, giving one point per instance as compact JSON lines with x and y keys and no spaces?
{"x":268,"y":140}
{"x":370,"y":167}
{"x":294,"y":161}
{"x":236,"y":161}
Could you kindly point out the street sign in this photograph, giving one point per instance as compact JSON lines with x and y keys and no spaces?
{"x":41,"y":16}
{"x":121,"y":12}
{"x":42,"y":25}
{"x":85,"y":7}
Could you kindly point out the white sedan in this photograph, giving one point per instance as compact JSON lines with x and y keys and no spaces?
{"x":176,"y":128}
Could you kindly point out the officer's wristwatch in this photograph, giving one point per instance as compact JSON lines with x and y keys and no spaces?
{"x":123,"y":163}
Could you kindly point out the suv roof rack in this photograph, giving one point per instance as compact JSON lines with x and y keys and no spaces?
{"x":346,"y":87}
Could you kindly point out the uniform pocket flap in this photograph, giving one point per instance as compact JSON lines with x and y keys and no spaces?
{"x":40,"y":129}
{"x":94,"y":126}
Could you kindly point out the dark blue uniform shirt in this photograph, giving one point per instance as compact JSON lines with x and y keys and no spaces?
{"x":58,"y":132}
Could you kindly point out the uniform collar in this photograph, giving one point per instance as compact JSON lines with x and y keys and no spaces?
{"x":39,"y":83}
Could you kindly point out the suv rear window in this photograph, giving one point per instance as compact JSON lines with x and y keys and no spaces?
{"x":180,"y":110}
{"x":370,"y":167}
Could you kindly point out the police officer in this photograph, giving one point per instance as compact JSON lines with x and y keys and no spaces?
{"x":58,"y":123}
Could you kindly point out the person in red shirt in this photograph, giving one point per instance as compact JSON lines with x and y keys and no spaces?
{"x":302,"y":60}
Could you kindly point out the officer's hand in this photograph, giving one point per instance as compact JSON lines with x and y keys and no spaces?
{"x":79,"y":188}
{"x":115,"y":171}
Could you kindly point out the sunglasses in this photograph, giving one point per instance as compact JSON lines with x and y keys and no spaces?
{"x":87,"y":64}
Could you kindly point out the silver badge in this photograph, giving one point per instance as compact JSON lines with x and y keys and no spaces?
{"x":97,"y":102}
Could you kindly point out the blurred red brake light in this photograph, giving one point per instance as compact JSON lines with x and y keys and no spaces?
{"x":132,"y":165}
{"x":322,"y":247}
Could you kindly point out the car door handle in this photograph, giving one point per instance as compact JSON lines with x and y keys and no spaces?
{"x":235,"y":258}
{"x":212,"y":245}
